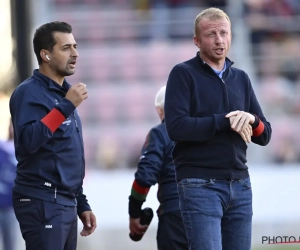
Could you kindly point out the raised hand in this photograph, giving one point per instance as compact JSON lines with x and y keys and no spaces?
{"x":77,"y":93}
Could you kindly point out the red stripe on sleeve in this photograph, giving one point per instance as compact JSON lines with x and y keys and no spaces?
{"x":53,"y":119}
{"x":139,"y":189}
{"x":259,"y":129}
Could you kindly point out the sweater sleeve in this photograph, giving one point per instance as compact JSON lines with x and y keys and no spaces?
{"x":180,"y":125}
{"x":34,"y":123}
{"x":262,"y":130}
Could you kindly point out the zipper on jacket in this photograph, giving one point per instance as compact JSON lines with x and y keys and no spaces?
{"x":55,"y":190}
{"x":227,"y":104}
{"x":226,"y":94}
{"x":223,"y":82}
{"x":76,"y":124}
{"x":81,"y":147}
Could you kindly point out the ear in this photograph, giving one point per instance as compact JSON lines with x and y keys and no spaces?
{"x":160,"y":112}
{"x":196,"y":42}
{"x":45,"y":55}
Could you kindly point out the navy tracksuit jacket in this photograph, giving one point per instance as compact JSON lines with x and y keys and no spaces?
{"x":155,"y":166}
{"x":48,"y":141}
{"x":47,"y":194}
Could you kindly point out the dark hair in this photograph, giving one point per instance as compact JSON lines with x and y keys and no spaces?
{"x":44,"y":39}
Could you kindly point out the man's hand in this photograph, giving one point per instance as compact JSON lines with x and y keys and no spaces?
{"x":246,"y":133}
{"x":77,"y":93}
{"x":135,"y":226}
{"x":239,"y":120}
{"x":89,"y":223}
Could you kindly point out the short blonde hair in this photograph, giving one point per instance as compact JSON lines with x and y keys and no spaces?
{"x":211,"y":14}
{"x":160,"y":98}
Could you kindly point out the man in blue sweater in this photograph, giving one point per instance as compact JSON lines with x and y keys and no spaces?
{"x":48,"y":194}
{"x":156,"y":166}
{"x":211,"y":114}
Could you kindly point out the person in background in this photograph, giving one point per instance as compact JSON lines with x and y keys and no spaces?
{"x":8,"y":222}
{"x":156,"y":166}
{"x":211,"y":114}
{"x":48,"y":193}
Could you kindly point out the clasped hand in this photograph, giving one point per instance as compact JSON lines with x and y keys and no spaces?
{"x":240,"y":122}
{"x":135,"y":227}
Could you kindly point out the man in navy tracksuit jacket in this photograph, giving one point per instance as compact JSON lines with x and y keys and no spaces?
{"x":156,"y":166}
{"x":211,"y":112}
{"x":48,"y":193}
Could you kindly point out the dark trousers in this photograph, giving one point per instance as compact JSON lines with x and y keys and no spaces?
{"x":46,"y":225}
{"x":170,"y":233}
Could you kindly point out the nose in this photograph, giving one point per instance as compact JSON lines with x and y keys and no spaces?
{"x":75,"y":53}
{"x":218,"y":39}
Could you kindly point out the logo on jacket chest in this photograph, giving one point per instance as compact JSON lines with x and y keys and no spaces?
{"x":67,"y":122}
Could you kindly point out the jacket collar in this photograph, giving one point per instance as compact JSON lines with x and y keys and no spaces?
{"x":202,"y":63}
{"x":49,"y":82}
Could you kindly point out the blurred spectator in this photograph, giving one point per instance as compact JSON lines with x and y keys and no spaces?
{"x":277,"y":93}
{"x":255,"y":18}
{"x":286,"y":151}
{"x":278,"y":75}
{"x":8,"y":222}
{"x":165,"y":15}
{"x":290,"y":62}
{"x":108,"y":155}
{"x":285,"y":146}
{"x":281,"y":8}
{"x":263,"y":19}
{"x":275,"y":50}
